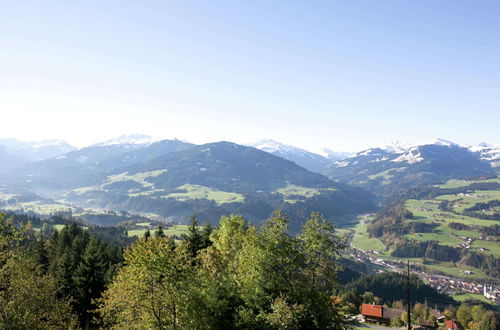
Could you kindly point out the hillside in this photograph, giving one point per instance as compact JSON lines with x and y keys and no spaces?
{"x":90,"y":165}
{"x":172,"y":179}
{"x":453,"y":228}
{"x":389,"y":171}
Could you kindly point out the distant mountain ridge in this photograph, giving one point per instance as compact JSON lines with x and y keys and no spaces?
{"x":385,"y":171}
{"x":173,"y":179}
{"x":36,"y":150}
{"x":307,"y":159}
{"x":130,"y":139}
{"x":18,"y":153}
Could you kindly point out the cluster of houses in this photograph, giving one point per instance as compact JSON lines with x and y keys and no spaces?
{"x":454,"y":286}
{"x":466,"y":242}
{"x":379,"y":314}
{"x":492,"y":293}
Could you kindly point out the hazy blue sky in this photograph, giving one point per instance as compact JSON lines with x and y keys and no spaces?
{"x":345,"y":75}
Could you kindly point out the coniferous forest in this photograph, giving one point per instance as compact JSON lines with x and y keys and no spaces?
{"x":232,"y":276}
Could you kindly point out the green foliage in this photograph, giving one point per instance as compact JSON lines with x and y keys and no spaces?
{"x":155,"y":289}
{"x":396,"y":322}
{"x":27,"y":295}
{"x":247,"y":278}
{"x":28,"y":298}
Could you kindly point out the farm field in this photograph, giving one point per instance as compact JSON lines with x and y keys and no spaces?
{"x":39,"y":207}
{"x":191,"y":191}
{"x":177,"y":230}
{"x":463,"y":201}
{"x":293,"y":193}
{"x":428,"y":211}
{"x":362,"y":241}
{"x":464,"y":183}
{"x":470,"y":296}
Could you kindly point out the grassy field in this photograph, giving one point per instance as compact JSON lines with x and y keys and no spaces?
{"x":40,"y":208}
{"x":385,"y":175}
{"x":490,"y":246}
{"x":362,"y":241}
{"x":448,"y":268}
{"x":463,"y":201}
{"x":428,"y":211}
{"x":171,"y":230}
{"x":470,"y":296}
{"x":464,"y":183}
{"x":290,"y":192}
{"x":192,"y":191}
{"x":140,"y":178}
{"x":293,"y":193}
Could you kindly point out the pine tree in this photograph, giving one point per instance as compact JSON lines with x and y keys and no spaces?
{"x":205,"y":233}
{"x":159,"y":232}
{"x":194,"y":239}
{"x":89,"y":278}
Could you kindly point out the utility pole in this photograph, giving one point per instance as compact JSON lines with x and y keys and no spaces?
{"x":408,"y":302}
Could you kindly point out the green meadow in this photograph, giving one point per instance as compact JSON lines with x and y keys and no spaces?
{"x":191,"y":191}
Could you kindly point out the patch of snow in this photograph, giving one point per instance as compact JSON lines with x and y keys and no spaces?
{"x":398,"y":147}
{"x":130,"y":139}
{"x":412,"y":156}
{"x":488,"y":152}
{"x":203,"y":169}
{"x":341,"y":164}
{"x":61,"y":157}
{"x":443,"y":142}
{"x":364,"y":153}
{"x":379,"y":159}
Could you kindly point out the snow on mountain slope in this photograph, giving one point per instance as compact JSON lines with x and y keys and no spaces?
{"x":132,"y":139}
{"x":36,"y":150}
{"x":308,"y":160}
{"x":334,"y":155}
{"x":489,"y":153}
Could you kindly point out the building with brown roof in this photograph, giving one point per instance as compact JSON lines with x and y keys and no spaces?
{"x":380,"y":314}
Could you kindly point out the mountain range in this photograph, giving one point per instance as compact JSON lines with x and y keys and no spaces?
{"x":173,"y":178}
{"x":387,"y":171}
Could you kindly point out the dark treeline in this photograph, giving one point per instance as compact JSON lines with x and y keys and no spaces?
{"x":493,"y":230}
{"x":474,"y":211}
{"x":427,"y":249}
{"x":81,"y":263}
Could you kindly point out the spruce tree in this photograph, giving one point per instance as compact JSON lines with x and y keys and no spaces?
{"x":194,"y":239}
{"x":89,"y":278}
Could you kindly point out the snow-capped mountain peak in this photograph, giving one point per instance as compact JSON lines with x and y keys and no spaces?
{"x":134,"y":139}
{"x":443,"y":142}
{"x":307,"y":159}
{"x":269,"y":145}
{"x":398,"y":147}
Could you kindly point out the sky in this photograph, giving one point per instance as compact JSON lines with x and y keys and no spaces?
{"x":345,"y":75}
